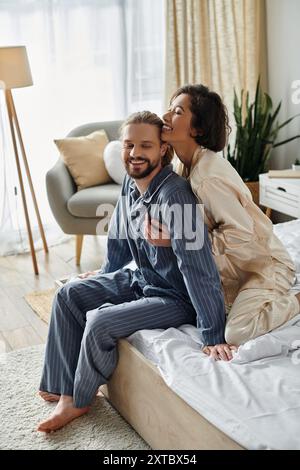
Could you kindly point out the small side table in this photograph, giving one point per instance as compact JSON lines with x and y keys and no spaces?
{"x":280,"y":194}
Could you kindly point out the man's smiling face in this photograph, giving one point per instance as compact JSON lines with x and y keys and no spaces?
{"x":141,"y":151}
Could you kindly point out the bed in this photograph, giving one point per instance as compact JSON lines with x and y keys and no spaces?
{"x":176,"y":397}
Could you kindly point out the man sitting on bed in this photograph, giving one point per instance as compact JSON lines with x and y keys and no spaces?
{"x":171,"y":286}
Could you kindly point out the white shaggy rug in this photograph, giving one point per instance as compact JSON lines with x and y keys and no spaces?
{"x":21,"y":409}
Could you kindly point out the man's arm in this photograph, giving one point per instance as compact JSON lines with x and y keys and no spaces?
{"x":118,"y":250}
{"x":198,"y":268}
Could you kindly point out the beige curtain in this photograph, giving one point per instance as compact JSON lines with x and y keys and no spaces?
{"x":220,"y":43}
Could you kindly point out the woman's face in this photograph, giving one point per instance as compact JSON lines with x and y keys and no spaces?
{"x":177,"y":122}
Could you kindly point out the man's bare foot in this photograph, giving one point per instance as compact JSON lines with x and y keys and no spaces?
{"x":49,"y":396}
{"x":63,"y":414}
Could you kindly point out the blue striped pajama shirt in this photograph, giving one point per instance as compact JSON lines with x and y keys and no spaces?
{"x":171,"y":286}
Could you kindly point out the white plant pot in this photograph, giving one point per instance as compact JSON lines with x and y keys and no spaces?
{"x":296,"y":167}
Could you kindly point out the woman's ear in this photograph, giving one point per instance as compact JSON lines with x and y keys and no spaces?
{"x":163,"y":149}
{"x":196,"y":132}
{"x":193,"y":132}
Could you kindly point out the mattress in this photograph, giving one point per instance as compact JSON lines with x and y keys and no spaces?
{"x":255,"y":397}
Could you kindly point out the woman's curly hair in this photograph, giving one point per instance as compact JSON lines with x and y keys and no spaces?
{"x":210,"y":117}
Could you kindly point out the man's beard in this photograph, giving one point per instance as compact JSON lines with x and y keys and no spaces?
{"x":137,"y":173}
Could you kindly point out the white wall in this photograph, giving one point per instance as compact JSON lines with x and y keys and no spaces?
{"x":283,"y":40}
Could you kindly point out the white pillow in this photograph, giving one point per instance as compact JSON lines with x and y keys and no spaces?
{"x":113,"y":161}
{"x":289,"y":235}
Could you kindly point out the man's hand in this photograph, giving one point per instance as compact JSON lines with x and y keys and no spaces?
{"x":156,"y":233}
{"x":220,"y":351}
{"x":87,"y":274}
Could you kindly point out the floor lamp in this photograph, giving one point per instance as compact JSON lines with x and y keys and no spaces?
{"x":15,"y":73}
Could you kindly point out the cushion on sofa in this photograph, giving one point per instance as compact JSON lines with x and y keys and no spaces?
{"x":84,"y":203}
{"x":83,"y":157}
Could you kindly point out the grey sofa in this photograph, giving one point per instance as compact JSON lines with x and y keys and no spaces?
{"x":75,"y":211}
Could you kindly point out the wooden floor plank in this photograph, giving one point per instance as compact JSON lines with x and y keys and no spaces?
{"x":22,"y":338}
{"x":16,"y":294}
{"x":4,"y":346}
{"x":19,"y":325}
{"x":10,"y":316}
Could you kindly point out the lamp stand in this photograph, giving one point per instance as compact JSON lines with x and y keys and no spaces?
{"x":14,"y":125}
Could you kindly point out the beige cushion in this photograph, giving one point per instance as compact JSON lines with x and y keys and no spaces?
{"x":84,"y":158}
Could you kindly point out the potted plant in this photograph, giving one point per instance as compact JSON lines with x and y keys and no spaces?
{"x":296,"y":165}
{"x":256,"y":135}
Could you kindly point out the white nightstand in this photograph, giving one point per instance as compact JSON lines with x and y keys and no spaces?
{"x":280,"y":194}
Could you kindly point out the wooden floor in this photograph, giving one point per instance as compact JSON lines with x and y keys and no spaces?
{"x":19,"y":325}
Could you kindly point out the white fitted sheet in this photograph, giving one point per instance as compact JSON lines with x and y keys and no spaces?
{"x":255,"y":398}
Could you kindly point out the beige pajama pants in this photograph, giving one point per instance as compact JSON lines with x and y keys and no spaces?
{"x":258,"y":311}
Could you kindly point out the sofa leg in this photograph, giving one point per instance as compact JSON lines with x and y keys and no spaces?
{"x":79,"y":240}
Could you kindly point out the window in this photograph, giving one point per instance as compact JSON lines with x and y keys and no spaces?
{"x":91,"y":60}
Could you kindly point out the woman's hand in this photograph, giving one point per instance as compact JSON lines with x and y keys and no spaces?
{"x":220,"y":351}
{"x":156,"y":233}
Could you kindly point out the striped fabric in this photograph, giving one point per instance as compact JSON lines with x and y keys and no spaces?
{"x":88,"y":317}
{"x":176,"y":272}
{"x":170,"y":287}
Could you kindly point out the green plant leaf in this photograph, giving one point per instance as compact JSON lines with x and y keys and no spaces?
{"x":286,"y":122}
{"x":257,"y":130}
{"x":286,"y":141}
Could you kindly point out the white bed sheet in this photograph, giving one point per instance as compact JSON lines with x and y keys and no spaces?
{"x":255,"y":398}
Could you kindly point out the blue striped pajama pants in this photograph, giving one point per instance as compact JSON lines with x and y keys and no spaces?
{"x":88,"y":317}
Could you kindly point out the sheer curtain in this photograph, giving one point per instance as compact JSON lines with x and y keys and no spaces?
{"x":220,"y":43}
{"x":91,"y":60}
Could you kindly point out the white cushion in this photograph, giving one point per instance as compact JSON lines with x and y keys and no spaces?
{"x":113,"y":161}
{"x":289,"y":235}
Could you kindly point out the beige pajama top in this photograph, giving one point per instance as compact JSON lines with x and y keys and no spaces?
{"x":244,"y":246}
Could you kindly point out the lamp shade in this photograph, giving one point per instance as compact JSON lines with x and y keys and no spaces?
{"x":14,"y":67}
